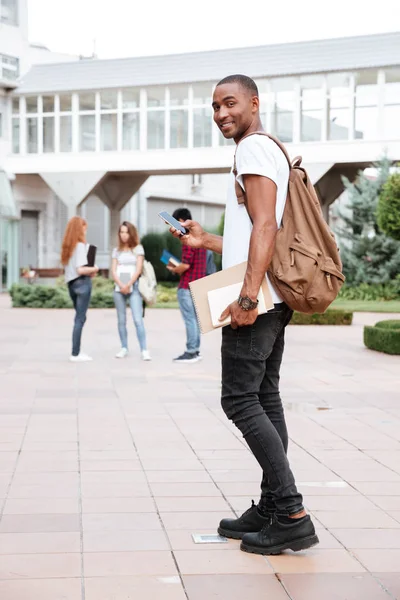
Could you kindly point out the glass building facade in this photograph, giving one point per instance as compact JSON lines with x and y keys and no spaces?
{"x":314,"y":108}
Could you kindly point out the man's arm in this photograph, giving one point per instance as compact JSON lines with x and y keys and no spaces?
{"x":198,"y":238}
{"x":178,"y":269}
{"x":261,"y":203}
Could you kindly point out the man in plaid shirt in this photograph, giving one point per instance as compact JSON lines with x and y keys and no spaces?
{"x":192,"y":267}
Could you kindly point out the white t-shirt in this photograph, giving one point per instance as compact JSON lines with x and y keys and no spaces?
{"x":256,"y":155}
{"x":78,"y":259}
{"x":126,"y":260}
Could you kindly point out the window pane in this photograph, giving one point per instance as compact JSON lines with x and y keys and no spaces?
{"x":15,"y":136}
{"x":179,"y":129}
{"x":9,"y":67}
{"x":282,"y":84}
{"x":65,"y":133}
{"x":48,"y":134}
{"x":31,"y":104}
{"x":131,"y":98}
{"x":108,"y":135}
{"x":340,"y":82}
{"x":9,"y":12}
{"x":366,"y":89}
{"x":366,"y":122}
{"x":156,"y":96}
{"x":392,"y":86}
{"x":32,"y":133}
{"x":283,"y":125}
{"x":178,"y":95}
{"x":282,"y":116}
{"x":87,"y":101}
{"x":65,"y":102}
{"x":392,"y":122}
{"x":225,"y":142}
{"x":339,"y":123}
{"x":311,"y":125}
{"x":87,"y":133}
{"x":15,"y":105}
{"x":202,"y":127}
{"x":155,"y":129}
{"x":48,"y":104}
{"x":109,"y":99}
{"x":312,"y":99}
{"x":202,"y":93}
{"x":262,"y":85}
{"x":130,"y":131}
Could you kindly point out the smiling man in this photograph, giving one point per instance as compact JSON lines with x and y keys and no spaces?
{"x":252,"y":347}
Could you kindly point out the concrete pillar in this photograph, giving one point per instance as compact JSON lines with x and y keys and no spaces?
{"x":115,"y":219}
{"x":72,"y":188}
{"x":115,"y":191}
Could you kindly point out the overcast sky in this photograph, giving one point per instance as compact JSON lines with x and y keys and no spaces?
{"x":143,"y":27}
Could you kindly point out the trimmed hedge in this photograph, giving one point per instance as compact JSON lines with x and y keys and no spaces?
{"x":329,"y":317}
{"x":383,"y":337}
{"x":44,"y":296}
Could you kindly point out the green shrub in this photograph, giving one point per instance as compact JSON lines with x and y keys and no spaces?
{"x":383,"y":337}
{"x":372,"y":291}
{"x":388,"y":212}
{"x":330,"y":317}
{"x":388,"y":324}
{"x":154,"y":244}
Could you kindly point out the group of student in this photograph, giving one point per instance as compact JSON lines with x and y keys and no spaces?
{"x":128,"y":257}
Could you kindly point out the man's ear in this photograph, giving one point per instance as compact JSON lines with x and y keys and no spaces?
{"x":255,"y":100}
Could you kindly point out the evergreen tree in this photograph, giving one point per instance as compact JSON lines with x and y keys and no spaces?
{"x":368,"y":255}
{"x":389,"y":207}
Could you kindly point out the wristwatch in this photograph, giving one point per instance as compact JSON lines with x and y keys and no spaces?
{"x":247,"y":303}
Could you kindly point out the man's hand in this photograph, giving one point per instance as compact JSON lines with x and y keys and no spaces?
{"x":239,"y":317}
{"x":194,"y":237}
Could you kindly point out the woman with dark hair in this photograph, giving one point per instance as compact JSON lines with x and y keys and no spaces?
{"x":127,"y":265}
{"x":78,"y":277}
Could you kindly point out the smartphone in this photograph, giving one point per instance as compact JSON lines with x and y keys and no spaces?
{"x":166,"y":217}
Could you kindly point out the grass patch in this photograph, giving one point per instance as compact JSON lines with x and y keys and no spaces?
{"x":379,"y":306}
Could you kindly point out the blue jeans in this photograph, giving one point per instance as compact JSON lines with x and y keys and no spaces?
{"x":80,"y":291}
{"x":136,"y":304}
{"x":189,"y":316}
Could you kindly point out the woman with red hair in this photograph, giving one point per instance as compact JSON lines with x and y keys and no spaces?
{"x":78,"y":277}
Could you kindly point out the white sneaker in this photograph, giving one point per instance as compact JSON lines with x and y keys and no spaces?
{"x":80,"y":358}
{"x":122,"y":353}
{"x":146,"y":355}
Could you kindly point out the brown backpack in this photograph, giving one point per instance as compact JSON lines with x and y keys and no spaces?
{"x":306,"y":269}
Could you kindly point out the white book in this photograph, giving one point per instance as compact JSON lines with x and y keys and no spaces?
{"x":212,"y":294}
{"x":221,"y":298}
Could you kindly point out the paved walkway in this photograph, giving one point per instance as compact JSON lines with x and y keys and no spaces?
{"x":107,"y":468}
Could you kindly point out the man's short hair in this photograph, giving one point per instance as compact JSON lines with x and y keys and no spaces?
{"x":182,"y":213}
{"x":246,"y":82}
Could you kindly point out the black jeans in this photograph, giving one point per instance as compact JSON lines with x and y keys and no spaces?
{"x":80,"y":291}
{"x":251,"y":360}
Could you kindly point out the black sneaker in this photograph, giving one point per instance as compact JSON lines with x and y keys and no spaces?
{"x":187,"y":357}
{"x":250,"y":521}
{"x":276,"y":537}
{"x":199,"y":356}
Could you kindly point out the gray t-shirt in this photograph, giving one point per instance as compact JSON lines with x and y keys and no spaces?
{"x":78,"y":259}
